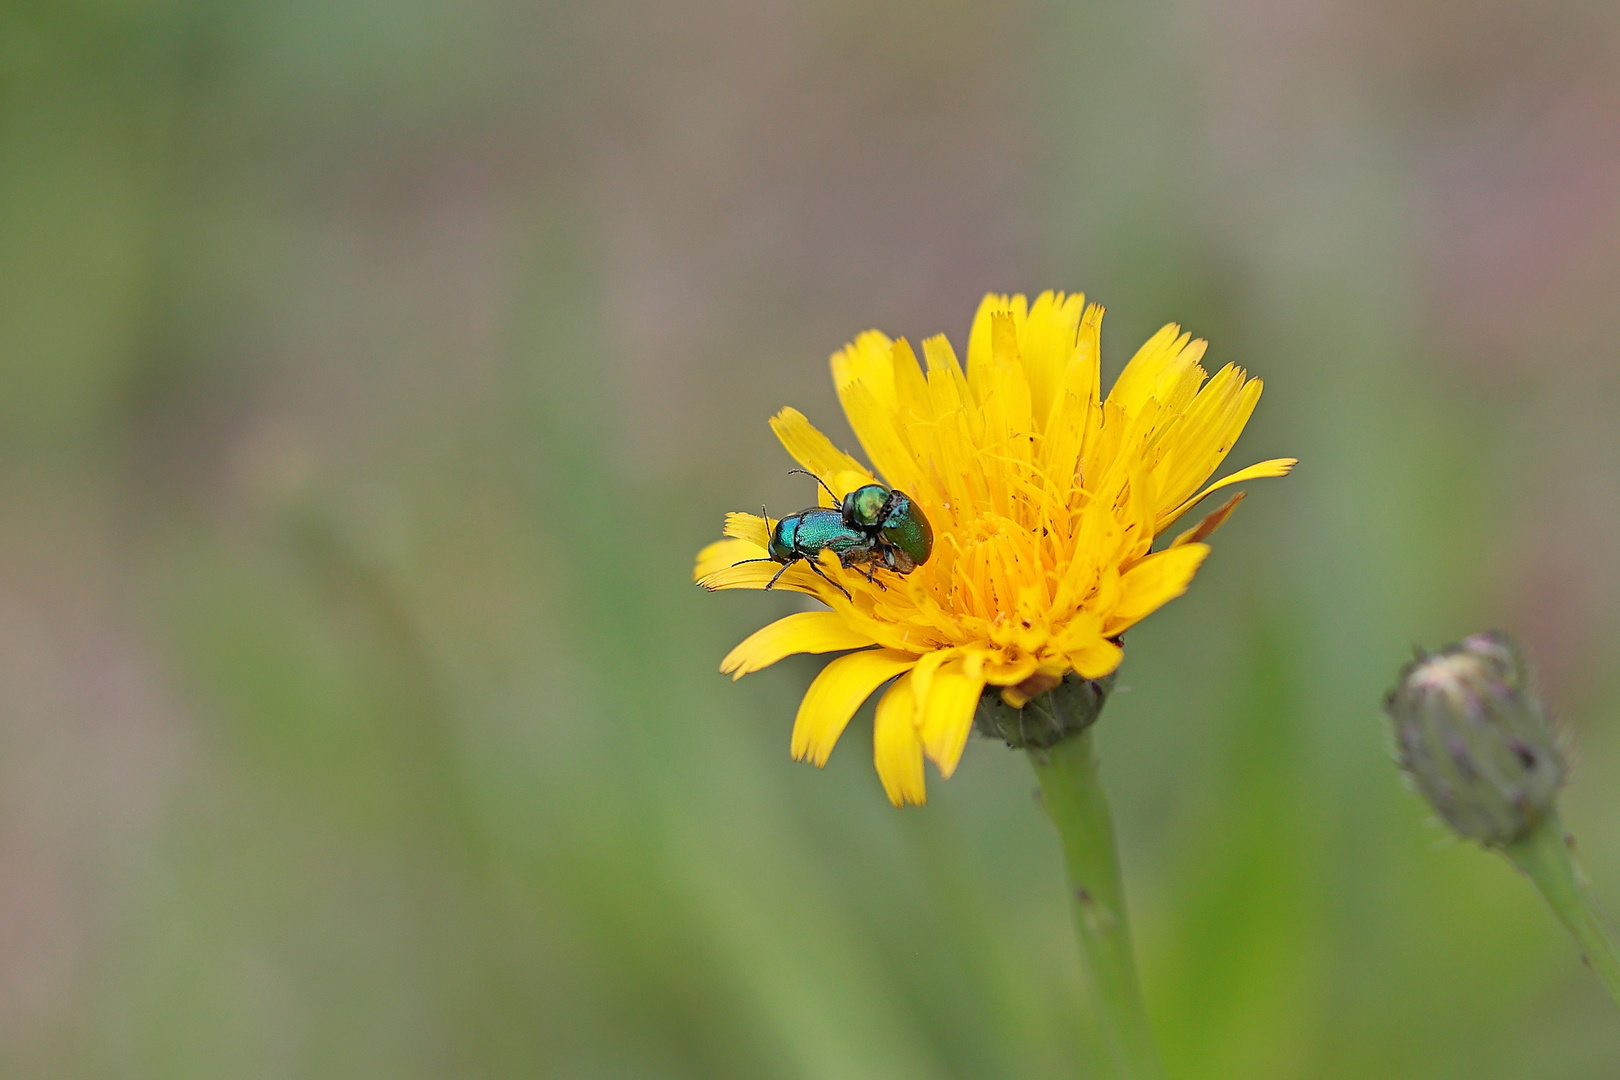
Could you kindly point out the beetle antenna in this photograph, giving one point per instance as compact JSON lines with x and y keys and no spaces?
{"x":818,"y":480}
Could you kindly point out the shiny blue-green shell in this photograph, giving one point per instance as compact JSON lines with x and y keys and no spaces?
{"x":890,"y":516}
{"x":906,"y":528}
{"x":808,"y":533}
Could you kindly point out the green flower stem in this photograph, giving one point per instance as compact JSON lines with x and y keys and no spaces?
{"x":1074,"y":801}
{"x":1544,"y":855}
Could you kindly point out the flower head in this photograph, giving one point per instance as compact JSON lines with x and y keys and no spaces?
{"x":1044,"y":497}
{"x":1475,"y":740}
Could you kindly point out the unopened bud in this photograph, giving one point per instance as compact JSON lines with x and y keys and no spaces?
{"x":1474,"y":739}
{"x":1067,"y":708}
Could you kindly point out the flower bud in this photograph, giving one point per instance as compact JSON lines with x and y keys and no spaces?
{"x":1473,"y":737}
{"x":1066,"y":708}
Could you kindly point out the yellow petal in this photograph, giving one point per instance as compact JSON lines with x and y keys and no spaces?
{"x":1003,"y":391}
{"x":869,"y":374}
{"x":883,"y":442}
{"x":1152,"y":583}
{"x":910,"y":388}
{"x":869,"y":360}
{"x":947,"y":386}
{"x":1141,"y":376}
{"x":896,"y":747}
{"x":1096,"y":658}
{"x":1197,"y":442}
{"x":835,"y":695}
{"x":804,"y":632}
{"x":979,"y":336}
{"x":751,"y":527}
{"x":1005,"y":672}
{"x":946,"y":715}
{"x":1263,"y":470}
{"x":810,"y":447}
{"x":757,"y":573}
{"x":722,"y":554}
{"x":1074,"y":412}
{"x":1047,"y":341}
{"x":922,"y":677}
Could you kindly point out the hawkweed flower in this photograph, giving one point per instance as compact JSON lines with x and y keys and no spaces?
{"x":1045,"y":498}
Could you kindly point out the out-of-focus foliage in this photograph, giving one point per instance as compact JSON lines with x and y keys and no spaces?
{"x":369,"y":374}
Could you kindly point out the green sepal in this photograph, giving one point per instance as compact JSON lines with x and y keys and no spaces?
{"x":1070,"y":707}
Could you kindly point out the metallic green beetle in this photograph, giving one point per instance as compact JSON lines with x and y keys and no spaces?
{"x":889,"y":517}
{"x":805,"y":535}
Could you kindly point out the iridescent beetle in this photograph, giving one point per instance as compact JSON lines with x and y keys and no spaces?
{"x":891,"y":518}
{"x":808,"y":533}
{"x":874,"y":527}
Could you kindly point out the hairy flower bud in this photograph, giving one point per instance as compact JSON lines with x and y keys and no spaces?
{"x":1473,"y":737}
{"x":1065,"y":708}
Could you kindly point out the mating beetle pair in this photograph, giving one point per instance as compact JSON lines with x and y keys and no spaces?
{"x":874,"y":526}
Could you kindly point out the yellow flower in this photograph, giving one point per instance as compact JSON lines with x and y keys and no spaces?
{"x":1044,"y":497}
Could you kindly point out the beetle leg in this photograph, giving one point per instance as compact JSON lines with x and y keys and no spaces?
{"x":779,"y":573}
{"x":823,"y":575}
{"x":847,"y":560}
{"x":871,"y":568}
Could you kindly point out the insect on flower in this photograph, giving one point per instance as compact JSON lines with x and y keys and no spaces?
{"x":890,"y":517}
{"x":1017,"y":507}
{"x":884,"y":531}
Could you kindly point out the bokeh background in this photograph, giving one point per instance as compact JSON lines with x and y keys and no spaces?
{"x":370,"y":373}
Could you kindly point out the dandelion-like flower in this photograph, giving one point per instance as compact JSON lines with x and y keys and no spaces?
{"x":1045,"y":498}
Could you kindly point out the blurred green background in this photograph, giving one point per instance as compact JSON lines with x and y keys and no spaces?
{"x":370,"y":373}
